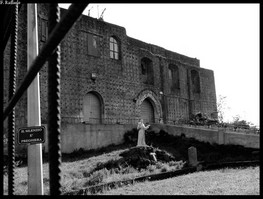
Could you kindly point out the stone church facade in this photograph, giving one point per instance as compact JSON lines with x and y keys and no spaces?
{"x":108,"y":77}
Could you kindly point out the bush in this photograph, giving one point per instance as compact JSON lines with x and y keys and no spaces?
{"x":159,"y":165}
{"x":130,"y":137}
{"x":164,"y":168}
{"x":151,"y":168}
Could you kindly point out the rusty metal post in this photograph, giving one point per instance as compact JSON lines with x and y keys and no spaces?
{"x":54,"y":118}
{"x":12,"y":89}
{"x":1,"y":104}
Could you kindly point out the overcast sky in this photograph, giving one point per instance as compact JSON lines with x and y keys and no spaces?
{"x":224,"y":37}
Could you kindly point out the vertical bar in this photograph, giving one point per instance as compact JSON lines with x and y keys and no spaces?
{"x":35,"y":168}
{"x":54,"y":117}
{"x":1,"y":103}
{"x":12,"y":89}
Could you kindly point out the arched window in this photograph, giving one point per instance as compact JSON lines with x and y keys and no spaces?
{"x":114,"y":48}
{"x":147,"y":71}
{"x":195,"y":81}
{"x":173,"y":76}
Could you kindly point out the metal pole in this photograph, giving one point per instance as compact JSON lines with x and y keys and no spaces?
{"x":54,"y":118}
{"x":12,"y":89}
{"x":35,"y":170}
{"x":1,"y":104}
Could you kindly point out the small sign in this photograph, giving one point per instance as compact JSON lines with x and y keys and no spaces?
{"x":31,"y":135}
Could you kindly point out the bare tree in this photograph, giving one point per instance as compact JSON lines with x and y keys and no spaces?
{"x":221,"y":107}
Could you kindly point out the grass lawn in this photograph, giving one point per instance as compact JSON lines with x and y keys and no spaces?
{"x":79,"y":174}
{"x":241,"y":181}
{"x":83,"y":169}
{"x":74,"y":174}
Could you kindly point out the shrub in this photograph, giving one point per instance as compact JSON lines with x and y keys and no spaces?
{"x":130,"y":137}
{"x":173,"y":163}
{"x":164,"y":168}
{"x":159,"y":165}
{"x":129,"y":169}
{"x":151,"y":168}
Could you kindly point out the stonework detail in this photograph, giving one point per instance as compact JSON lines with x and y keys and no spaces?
{"x":153,"y":97}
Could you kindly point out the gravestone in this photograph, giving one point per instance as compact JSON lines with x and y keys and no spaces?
{"x":192,"y":156}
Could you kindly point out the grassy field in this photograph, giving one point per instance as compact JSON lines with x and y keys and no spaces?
{"x":85,"y":172}
{"x":241,"y":181}
{"x":83,"y":169}
{"x":80,"y":174}
{"x":74,"y":173}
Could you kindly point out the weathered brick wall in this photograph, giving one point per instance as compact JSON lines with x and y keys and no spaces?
{"x":208,"y":96}
{"x":110,"y":83}
{"x":43,"y":81}
{"x":119,"y":82}
{"x":205,"y":101}
{"x":178,"y":104}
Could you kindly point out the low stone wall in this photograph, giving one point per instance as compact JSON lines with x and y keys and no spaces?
{"x":247,"y":140}
{"x":86,"y":136}
{"x":206,"y":135}
{"x":217,"y":135}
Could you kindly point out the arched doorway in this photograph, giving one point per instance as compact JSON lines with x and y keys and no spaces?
{"x":147,"y":111}
{"x":92,"y":109}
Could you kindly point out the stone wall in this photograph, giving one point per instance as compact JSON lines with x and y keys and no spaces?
{"x":85,"y":136}
{"x":205,"y":101}
{"x":216,"y":135}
